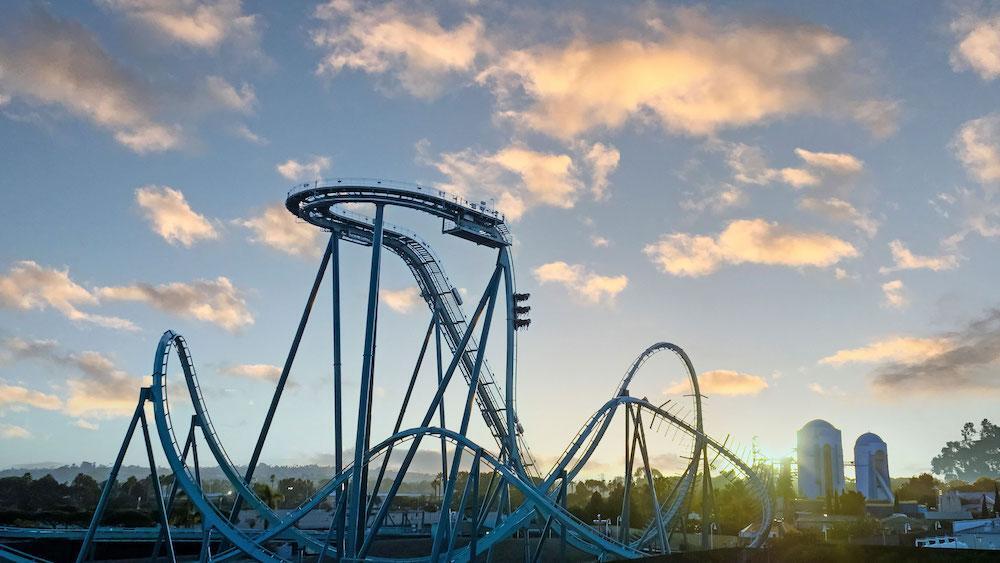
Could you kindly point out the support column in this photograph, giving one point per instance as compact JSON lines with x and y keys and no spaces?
{"x":356,"y":515}
{"x":338,"y":416}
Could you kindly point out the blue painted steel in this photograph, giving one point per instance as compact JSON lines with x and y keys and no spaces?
{"x":354,"y":531}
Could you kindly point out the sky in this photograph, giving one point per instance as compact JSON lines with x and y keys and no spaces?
{"x":805,"y":196}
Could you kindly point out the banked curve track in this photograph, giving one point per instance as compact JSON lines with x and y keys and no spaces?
{"x":358,"y":520}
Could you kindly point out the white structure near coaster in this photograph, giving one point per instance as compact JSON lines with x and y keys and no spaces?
{"x":820,"y":460}
{"x":871,"y":468}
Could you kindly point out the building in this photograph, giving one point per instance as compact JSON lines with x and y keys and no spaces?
{"x":983,"y":533}
{"x":871,"y":468}
{"x":820,"y":460}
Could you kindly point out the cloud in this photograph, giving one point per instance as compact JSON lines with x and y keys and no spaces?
{"x":754,"y":241}
{"x":980,"y":210}
{"x":723,"y":382}
{"x":295,"y":170}
{"x":588,"y":286}
{"x":401,"y":300}
{"x":29,"y":286}
{"x":894,"y":294}
{"x":171,"y":216}
{"x":599,"y":241}
{"x":968,"y":365}
{"x":517,"y":177}
{"x":99,"y":390}
{"x":903,"y":350}
{"x":718,"y":200}
{"x":840,"y":210}
{"x":203,"y":24}
{"x":903,"y":259}
{"x":396,"y":38}
{"x":694,"y":76}
{"x":822,"y":391}
{"x":85,"y":424}
{"x":978,"y":45}
{"x":881,"y":117}
{"x":246,"y":133}
{"x":603,"y":160}
{"x":226,"y":95}
{"x":51,"y":61}
{"x":12,"y":431}
{"x":215,"y":301}
{"x":265,"y":372}
{"x":750,"y":166}
{"x":977,"y":146}
{"x":17,"y":397}
{"x":280,"y":230}
{"x":838,"y":163}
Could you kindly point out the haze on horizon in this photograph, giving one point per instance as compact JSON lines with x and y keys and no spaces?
{"x":804,"y":196}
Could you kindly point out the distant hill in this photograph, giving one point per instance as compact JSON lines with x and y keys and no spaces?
{"x":66,"y":473}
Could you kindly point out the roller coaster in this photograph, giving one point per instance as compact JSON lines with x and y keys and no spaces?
{"x":489,"y":495}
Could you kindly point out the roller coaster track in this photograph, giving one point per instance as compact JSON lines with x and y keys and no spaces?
{"x":357,"y":519}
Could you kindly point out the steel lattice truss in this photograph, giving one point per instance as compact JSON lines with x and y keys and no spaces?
{"x":516,"y":497}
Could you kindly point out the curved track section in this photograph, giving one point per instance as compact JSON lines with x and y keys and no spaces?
{"x":357,"y":519}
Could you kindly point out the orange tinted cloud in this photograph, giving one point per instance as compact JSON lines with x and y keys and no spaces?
{"x":753,"y":241}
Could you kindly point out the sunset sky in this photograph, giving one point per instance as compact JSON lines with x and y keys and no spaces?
{"x":803,"y":195}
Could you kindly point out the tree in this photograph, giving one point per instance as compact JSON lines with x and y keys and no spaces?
{"x":983,"y":511}
{"x":84,"y":492}
{"x":923,"y":488}
{"x":735,"y":506}
{"x":852,"y":503}
{"x":974,"y":456}
{"x":996,"y":501}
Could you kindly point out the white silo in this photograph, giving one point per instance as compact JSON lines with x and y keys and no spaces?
{"x":820,"y":460}
{"x":871,"y":468}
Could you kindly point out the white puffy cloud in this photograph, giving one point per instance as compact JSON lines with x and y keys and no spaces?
{"x":265,"y":372}
{"x":840,"y":210}
{"x":599,"y":242}
{"x":603,"y":160}
{"x":881,"y":117}
{"x":401,"y":300}
{"x":718,"y":199}
{"x":694,"y":76}
{"x":203,"y":24}
{"x":248,"y":134}
{"x":215,"y":301}
{"x":305,"y":170}
{"x":85,"y":424}
{"x":824,"y":391}
{"x":978,"y":45}
{"x":894,"y":294}
{"x":838,"y":163}
{"x":977,"y":146}
{"x":277,"y":228}
{"x":588,"y":286}
{"x":722,"y":382}
{"x":904,"y":259}
{"x":897,"y":349}
{"x":242,"y":100}
{"x":750,"y":166}
{"x":518,"y":178}
{"x":29,"y":286}
{"x":13,"y":431}
{"x":55,"y":62}
{"x":97,"y":389}
{"x":17,"y":397}
{"x":399,"y":39}
{"x":171,"y":216}
{"x":754,"y":241}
